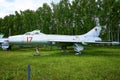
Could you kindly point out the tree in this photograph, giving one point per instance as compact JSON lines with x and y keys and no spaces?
{"x":18,"y":25}
{"x":29,"y":22}
{"x":44,"y":17}
{"x":7,"y":24}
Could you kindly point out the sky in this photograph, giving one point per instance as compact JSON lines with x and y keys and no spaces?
{"x":10,"y":6}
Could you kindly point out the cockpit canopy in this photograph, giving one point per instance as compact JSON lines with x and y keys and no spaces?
{"x":35,"y":32}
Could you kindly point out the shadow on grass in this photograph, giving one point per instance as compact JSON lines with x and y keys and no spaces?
{"x":101,"y":53}
{"x":89,"y":51}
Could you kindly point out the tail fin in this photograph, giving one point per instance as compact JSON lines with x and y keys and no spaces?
{"x":95,"y":32}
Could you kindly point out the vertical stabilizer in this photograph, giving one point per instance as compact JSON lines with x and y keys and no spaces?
{"x":95,"y":32}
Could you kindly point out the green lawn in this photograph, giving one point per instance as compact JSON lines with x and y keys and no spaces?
{"x":96,"y":63}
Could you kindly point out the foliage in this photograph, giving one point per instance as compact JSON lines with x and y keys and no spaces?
{"x":76,"y":17}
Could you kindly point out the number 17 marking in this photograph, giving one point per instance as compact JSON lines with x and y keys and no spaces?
{"x":29,"y":39}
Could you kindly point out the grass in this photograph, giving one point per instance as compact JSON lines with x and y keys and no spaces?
{"x":96,"y":63}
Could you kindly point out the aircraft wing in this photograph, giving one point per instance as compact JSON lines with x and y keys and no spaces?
{"x":78,"y":39}
{"x":62,"y":38}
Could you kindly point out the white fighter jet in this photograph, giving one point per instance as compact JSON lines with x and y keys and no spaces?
{"x":36,"y":38}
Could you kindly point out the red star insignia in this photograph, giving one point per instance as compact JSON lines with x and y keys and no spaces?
{"x":95,"y":29}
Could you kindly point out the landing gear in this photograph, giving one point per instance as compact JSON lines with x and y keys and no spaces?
{"x":64,"y":49}
{"x":37,"y":52}
{"x":10,"y":47}
{"x":5,"y":46}
{"x":78,"y":48}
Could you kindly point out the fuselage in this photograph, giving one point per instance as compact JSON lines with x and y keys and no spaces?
{"x":39,"y":39}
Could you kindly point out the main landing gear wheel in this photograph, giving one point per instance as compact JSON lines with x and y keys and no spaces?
{"x":78,"y":48}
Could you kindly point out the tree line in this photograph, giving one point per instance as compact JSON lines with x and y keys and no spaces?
{"x":70,"y":18}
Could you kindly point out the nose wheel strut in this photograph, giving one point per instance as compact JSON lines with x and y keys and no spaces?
{"x":37,"y":52}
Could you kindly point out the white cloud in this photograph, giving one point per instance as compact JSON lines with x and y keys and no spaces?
{"x":10,"y":6}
